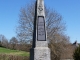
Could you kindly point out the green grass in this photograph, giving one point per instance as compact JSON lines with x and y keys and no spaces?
{"x":13,"y":52}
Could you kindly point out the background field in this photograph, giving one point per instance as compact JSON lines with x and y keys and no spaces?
{"x":13,"y":52}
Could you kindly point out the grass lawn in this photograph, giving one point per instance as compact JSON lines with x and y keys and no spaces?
{"x":13,"y":52}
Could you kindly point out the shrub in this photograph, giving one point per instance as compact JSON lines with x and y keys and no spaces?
{"x":76,"y":54}
{"x":12,"y":57}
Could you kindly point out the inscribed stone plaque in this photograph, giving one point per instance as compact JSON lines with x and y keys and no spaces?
{"x":41,"y":33}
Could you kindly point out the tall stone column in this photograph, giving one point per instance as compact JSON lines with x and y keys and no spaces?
{"x":39,"y":50}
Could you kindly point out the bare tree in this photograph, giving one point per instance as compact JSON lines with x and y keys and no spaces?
{"x":13,"y":42}
{"x":54,"y":23}
{"x":3,"y":41}
{"x":57,"y":46}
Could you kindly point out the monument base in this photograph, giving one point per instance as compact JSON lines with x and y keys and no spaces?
{"x":40,"y":53}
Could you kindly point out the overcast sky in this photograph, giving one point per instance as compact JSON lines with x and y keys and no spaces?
{"x":69,"y":9}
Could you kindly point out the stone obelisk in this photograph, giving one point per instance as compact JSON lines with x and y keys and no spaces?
{"x":39,"y":50}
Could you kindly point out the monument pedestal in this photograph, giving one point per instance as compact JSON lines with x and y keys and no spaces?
{"x":41,"y":53}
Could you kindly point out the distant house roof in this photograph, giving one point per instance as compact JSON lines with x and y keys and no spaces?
{"x":76,"y":44}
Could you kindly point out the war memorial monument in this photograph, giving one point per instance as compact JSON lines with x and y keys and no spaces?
{"x":39,"y":50}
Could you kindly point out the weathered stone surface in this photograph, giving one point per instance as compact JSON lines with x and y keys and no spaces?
{"x":41,"y":53}
{"x":40,"y":8}
{"x":41,"y":44}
